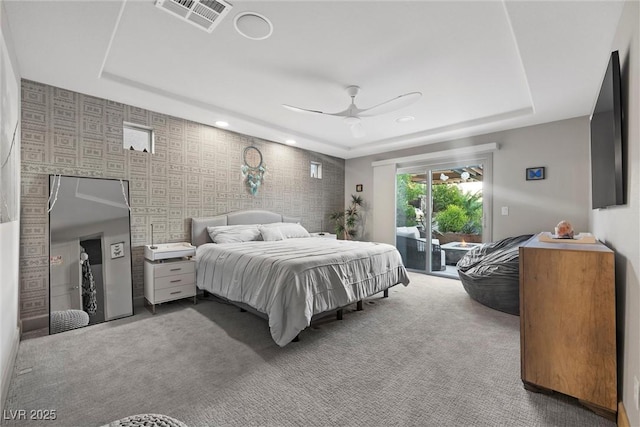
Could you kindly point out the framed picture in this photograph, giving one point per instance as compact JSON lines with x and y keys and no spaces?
{"x":359,"y":188}
{"x":117,"y":250}
{"x":534,"y":174}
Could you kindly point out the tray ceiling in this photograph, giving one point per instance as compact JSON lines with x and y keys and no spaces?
{"x":481,"y":66}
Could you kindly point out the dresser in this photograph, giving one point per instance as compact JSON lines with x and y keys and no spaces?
{"x":169,"y":280}
{"x":568,"y":322}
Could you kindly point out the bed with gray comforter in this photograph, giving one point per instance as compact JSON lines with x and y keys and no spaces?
{"x":292,"y":279}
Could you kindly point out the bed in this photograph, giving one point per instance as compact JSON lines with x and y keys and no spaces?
{"x":269,"y":264}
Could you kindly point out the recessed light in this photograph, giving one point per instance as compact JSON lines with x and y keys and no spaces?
{"x":222,"y":124}
{"x":405,"y":119}
{"x":290,"y":141}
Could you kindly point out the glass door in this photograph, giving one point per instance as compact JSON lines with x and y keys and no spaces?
{"x":442,"y":212}
{"x":411,"y":224}
{"x":457,"y":213}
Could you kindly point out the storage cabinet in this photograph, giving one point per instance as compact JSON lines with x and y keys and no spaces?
{"x":169,"y":280}
{"x":568,"y":322}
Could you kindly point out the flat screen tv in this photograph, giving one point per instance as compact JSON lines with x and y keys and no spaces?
{"x":607,"y":175}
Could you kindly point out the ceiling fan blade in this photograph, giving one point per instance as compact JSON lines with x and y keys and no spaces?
{"x":391,"y":105}
{"x":344,"y":113}
{"x":301,"y":110}
{"x":357,"y":130}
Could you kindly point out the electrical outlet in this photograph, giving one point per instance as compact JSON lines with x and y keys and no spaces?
{"x":505,"y":210}
{"x":636,"y":392}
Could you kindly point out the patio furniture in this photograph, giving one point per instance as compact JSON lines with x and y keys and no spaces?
{"x":412,"y":248}
{"x":454,"y":251}
{"x":490,"y":274}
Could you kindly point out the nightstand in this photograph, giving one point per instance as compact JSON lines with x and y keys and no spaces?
{"x":324,"y":235}
{"x":168,"y":279}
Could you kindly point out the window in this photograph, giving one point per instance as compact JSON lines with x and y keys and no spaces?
{"x":316,"y":170}
{"x":137,"y":137}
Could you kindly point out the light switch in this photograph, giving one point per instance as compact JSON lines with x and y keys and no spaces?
{"x":505,"y":210}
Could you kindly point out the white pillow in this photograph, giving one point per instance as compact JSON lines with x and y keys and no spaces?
{"x":289,"y":230}
{"x":270,"y":234}
{"x":234,"y":233}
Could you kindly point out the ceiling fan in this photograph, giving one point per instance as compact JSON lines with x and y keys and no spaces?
{"x":352,"y":115}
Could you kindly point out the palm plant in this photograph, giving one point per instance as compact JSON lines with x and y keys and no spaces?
{"x":346,"y":221}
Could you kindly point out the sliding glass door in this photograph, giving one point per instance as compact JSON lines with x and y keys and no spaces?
{"x":442,"y":212}
{"x":411,"y":222}
{"x":457,"y":214}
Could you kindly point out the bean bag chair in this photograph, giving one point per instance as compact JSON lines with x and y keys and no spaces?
{"x":491,"y":274}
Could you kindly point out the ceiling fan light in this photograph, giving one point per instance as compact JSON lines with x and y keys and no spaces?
{"x":351,"y":120}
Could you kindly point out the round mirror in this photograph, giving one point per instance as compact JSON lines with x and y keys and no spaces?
{"x":252,"y":157}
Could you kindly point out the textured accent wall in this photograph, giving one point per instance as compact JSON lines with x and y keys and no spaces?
{"x":194,"y":172}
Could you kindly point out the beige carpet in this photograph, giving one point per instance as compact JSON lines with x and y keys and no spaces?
{"x":426,"y":356}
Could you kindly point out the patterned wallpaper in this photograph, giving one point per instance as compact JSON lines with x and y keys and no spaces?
{"x":195,"y":171}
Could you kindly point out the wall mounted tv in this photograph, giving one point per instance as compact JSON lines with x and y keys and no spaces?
{"x":607,"y":174}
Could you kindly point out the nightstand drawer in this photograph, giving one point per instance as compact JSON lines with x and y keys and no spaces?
{"x":324,"y":235}
{"x":174,"y":268}
{"x":173,"y":281}
{"x":169,"y":280}
{"x":177,"y":292}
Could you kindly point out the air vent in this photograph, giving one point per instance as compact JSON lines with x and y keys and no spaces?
{"x":204,"y":14}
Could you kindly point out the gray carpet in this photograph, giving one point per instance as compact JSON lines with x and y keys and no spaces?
{"x":426,"y":356}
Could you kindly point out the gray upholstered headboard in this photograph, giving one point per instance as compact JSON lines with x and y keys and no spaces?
{"x":199,"y":235}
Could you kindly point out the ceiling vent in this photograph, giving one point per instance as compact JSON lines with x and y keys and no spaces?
{"x":204,"y":14}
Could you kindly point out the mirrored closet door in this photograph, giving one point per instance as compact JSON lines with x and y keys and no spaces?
{"x":89,"y":252}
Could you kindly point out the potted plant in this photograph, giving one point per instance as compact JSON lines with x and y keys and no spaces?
{"x":346,"y":221}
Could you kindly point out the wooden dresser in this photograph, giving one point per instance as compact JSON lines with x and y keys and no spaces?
{"x":568,"y":322}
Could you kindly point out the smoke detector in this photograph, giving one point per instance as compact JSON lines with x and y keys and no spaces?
{"x":204,"y":14}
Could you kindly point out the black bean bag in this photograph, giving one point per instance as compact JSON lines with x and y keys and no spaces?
{"x":491,"y":273}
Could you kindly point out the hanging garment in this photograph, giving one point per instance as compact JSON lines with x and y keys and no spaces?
{"x":89,"y":301}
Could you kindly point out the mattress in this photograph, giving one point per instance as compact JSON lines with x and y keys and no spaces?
{"x":291,"y":280}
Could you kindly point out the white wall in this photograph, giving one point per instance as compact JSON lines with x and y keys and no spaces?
{"x":562,"y":147}
{"x":384,"y":180}
{"x":619,"y":227}
{"x":9,"y":231}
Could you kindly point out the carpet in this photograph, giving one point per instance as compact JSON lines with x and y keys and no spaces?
{"x":426,"y":356}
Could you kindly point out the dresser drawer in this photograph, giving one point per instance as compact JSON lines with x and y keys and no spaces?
{"x":174,"y":268}
{"x":176,"y":292}
{"x":173,"y":281}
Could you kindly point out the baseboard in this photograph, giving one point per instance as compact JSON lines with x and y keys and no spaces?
{"x":35,"y":323}
{"x":7,"y":372}
{"x":623,"y":419}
